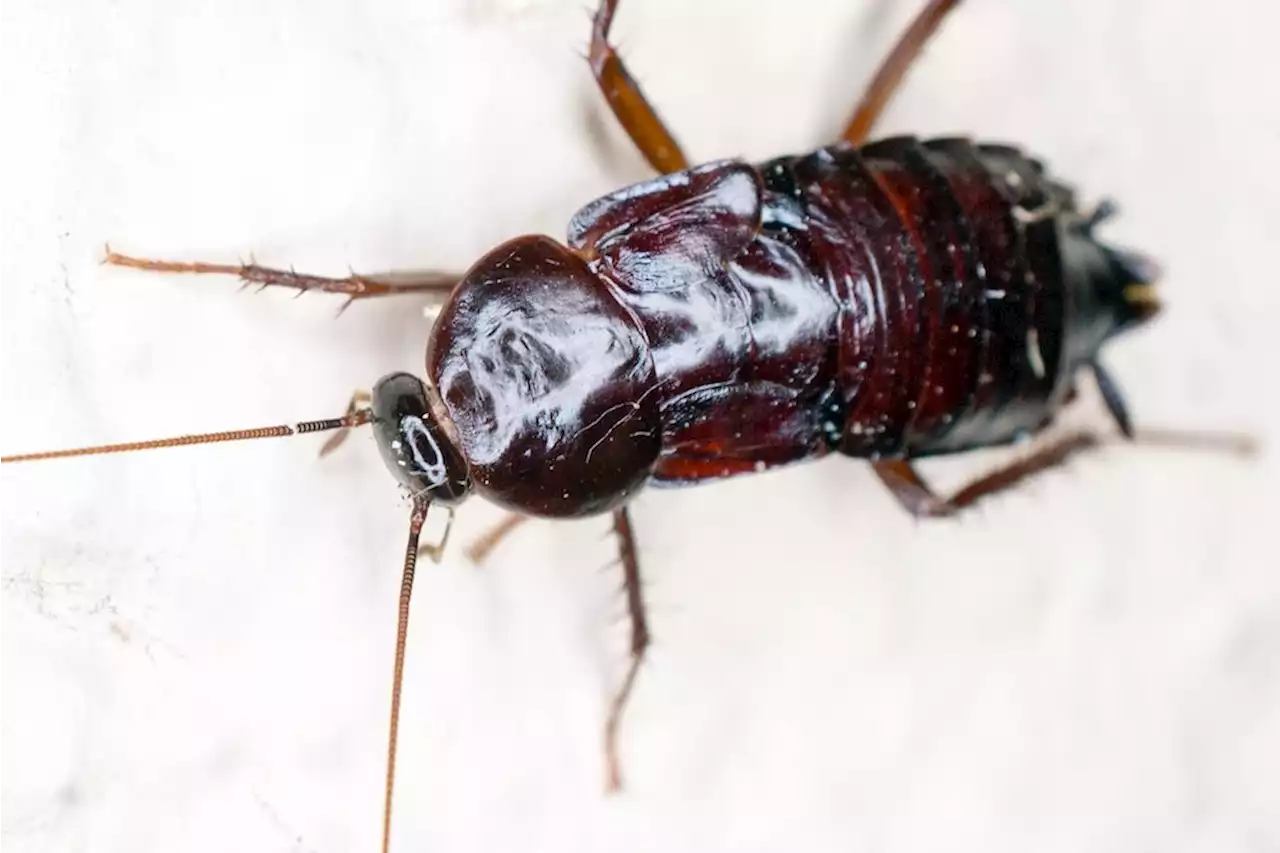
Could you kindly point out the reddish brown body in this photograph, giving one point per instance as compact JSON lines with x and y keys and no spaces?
{"x":900,"y":300}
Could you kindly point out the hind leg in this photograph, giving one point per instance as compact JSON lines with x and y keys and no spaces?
{"x":627,"y":101}
{"x":894,"y":68}
{"x":917,"y":498}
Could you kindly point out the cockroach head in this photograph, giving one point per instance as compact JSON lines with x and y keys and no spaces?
{"x":415,"y":442}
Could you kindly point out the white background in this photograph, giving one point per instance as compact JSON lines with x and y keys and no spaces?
{"x":197,"y":643}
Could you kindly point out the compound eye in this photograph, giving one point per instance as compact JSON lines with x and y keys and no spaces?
{"x":416,"y":450}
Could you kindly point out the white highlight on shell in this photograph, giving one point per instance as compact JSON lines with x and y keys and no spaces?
{"x":434,"y":472}
{"x":1033,"y":352}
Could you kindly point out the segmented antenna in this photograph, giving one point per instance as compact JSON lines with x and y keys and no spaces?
{"x":351,"y":419}
{"x":354,"y":418}
{"x":416,"y":520}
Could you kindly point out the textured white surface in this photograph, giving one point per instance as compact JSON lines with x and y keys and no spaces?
{"x":197,"y":643}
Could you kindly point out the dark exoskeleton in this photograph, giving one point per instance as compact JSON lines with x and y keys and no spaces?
{"x":900,"y":300}
{"x":887,"y":301}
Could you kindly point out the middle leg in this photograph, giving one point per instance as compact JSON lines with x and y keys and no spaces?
{"x":627,"y":101}
{"x":438,"y":284}
{"x":639,"y":643}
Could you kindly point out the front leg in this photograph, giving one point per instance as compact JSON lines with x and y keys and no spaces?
{"x":360,"y":399}
{"x":626,"y":100}
{"x":480,"y":549}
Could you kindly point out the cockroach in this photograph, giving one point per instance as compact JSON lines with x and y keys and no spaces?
{"x":888,"y":301}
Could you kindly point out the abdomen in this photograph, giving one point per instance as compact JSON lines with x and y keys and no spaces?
{"x":944,"y":257}
{"x":905,"y":299}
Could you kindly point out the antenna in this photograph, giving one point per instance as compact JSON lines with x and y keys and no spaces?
{"x":351,"y":419}
{"x":354,"y":418}
{"x":416,"y":520}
